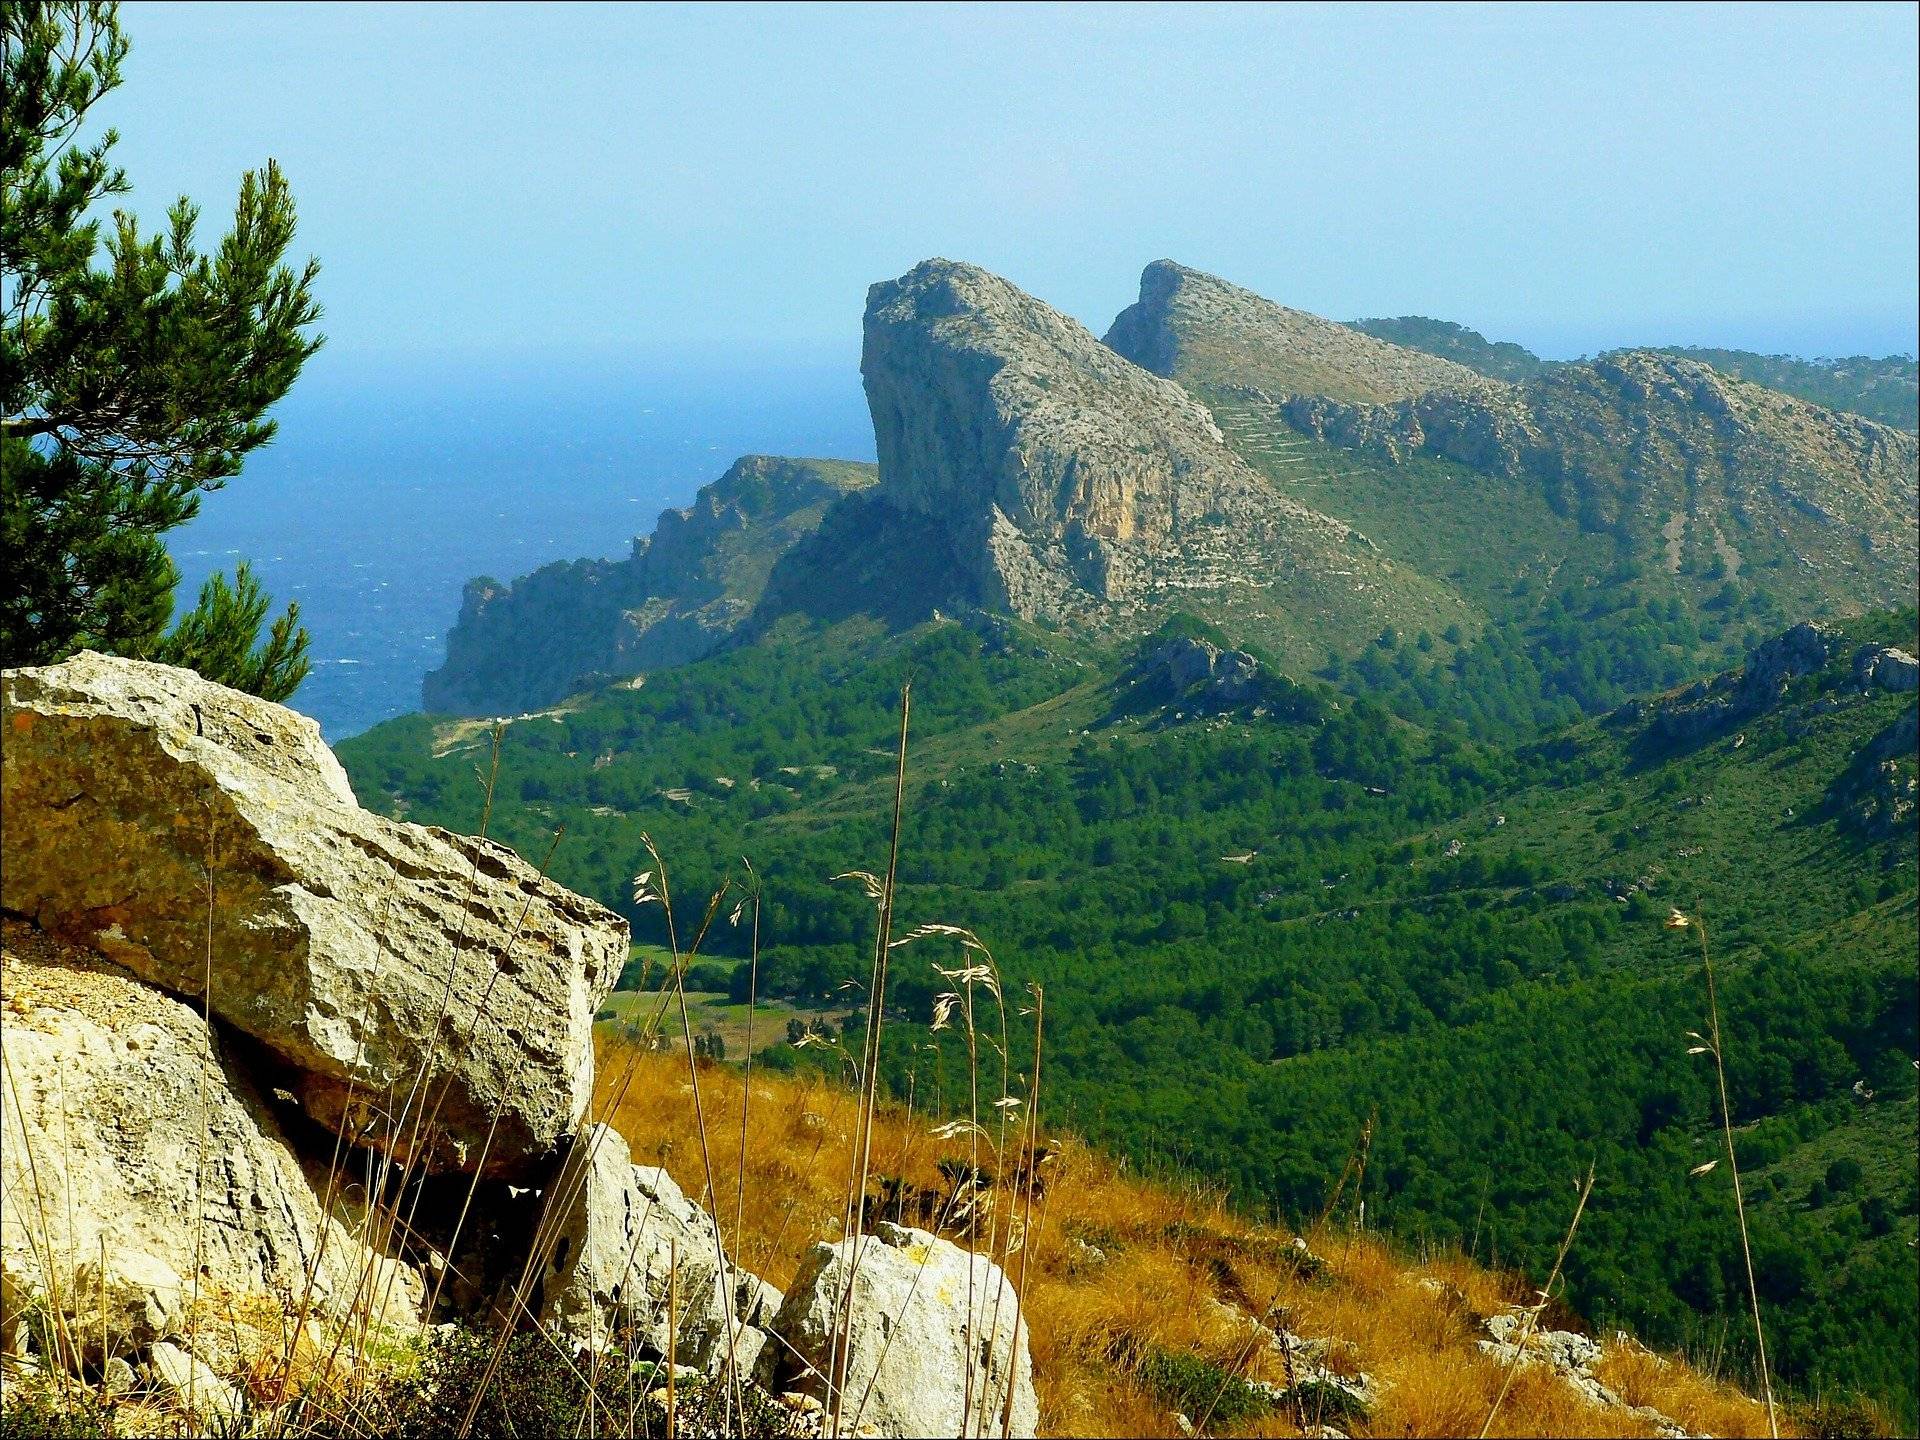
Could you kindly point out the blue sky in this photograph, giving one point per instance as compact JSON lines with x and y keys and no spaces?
{"x":496,"y":185}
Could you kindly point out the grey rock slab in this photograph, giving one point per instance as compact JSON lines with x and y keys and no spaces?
{"x":619,"y":1241}
{"x":193,"y":1384}
{"x":135,"y":1150}
{"x":401,"y":971}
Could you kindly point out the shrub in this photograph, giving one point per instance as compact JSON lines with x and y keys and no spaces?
{"x":535,"y":1390}
{"x":1195,"y":1386}
{"x":38,"y":1414}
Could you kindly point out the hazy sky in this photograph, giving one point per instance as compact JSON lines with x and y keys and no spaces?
{"x":539,"y":182}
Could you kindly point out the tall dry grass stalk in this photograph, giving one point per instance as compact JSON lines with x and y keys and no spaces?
{"x":1030,"y":1164}
{"x":746,"y":1069}
{"x":1713,"y":1046}
{"x":861,"y":1157}
{"x":1530,"y":1314}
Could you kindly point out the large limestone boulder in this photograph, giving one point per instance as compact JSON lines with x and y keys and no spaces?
{"x":1888,"y":668}
{"x":936,"y":1343}
{"x":134,"y":1150}
{"x":617,"y":1242}
{"x":434,"y":994}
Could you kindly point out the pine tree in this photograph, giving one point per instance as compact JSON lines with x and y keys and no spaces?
{"x":133,"y":388}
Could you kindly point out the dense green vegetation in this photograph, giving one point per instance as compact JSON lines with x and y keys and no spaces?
{"x":133,"y":387}
{"x":1502,"y":359}
{"x":1569,"y":618}
{"x":1257,"y":924}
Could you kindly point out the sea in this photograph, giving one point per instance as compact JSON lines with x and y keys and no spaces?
{"x":390,"y":485}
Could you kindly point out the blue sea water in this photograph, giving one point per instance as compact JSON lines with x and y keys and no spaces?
{"x":389,"y":487}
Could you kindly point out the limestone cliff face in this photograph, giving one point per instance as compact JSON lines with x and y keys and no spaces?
{"x":1654,"y":446}
{"x":1066,"y":480}
{"x":209,"y":843}
{"x":1199,"y":330}
{"x":680,"y":593}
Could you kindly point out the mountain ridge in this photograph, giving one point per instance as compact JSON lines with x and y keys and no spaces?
{"x":1027,"y":469}
{"x":1061,"y":483}
{"x":1884,"y":388}
{"x":1195,"y":327}
{"x":682,"y":591}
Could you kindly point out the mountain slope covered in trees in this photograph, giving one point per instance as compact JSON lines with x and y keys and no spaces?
{"x":1385,"y":842}
{"x":1261,"y":912}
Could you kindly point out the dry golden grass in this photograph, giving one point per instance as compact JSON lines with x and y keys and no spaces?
{"x":1118,"y":1267}
{"x":1694,"y":1401}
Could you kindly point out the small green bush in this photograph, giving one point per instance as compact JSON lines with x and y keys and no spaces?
{"x":1196,"y":1387}
{"x":536,"y":1390}
{"x":35,"y":1413}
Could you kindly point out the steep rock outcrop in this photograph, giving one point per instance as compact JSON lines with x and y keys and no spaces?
{"x":1710,"y":706}
{"x":935,"y":1342}
{"x":1067,"y":483}
{"x":682,"y":591}
{"x":135,"y":1150}
{"x":1879,"y":792}
{"x":208,"y":842}
{"x":1888,"y":668}
{"x":1198,"y":329}
{"x":1177,"y":666}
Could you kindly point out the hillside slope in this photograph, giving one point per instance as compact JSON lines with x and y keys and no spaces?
{"x":1886,"y":389}
{"x":1260,"y":909}
{"x":1198,"y":329}
{"x":681,"y":592}
{"x":1151,"y":1298}
{"x":1680,"y":465}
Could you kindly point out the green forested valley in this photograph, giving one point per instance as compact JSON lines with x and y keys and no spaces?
{"x":1261,"y":918}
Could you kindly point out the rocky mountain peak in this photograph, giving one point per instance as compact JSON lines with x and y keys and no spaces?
{"x":981,"y":392}
{"x":681,"y":592}
{"x":1064,"y":475}
{"x":1200,"y":330}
